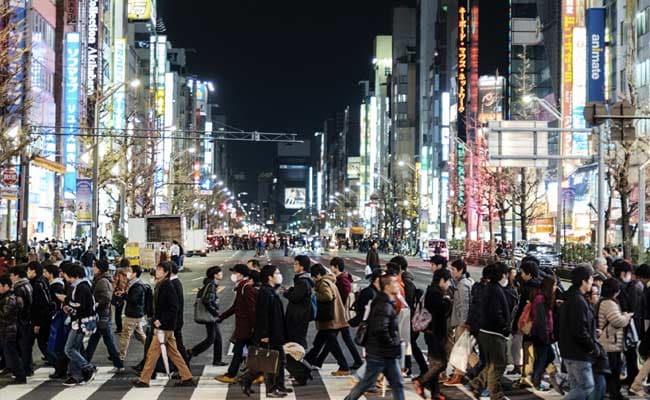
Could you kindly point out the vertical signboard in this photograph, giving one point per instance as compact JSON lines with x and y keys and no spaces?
{"x":161,"y":70}
{"x":596,"y":54}
{"x":462,"y":70}
{"x":72,"y":81}
{"x":473,"y":60}
{"x":580,"y":143}
{"x":119,"y":69}
{"x":92,"y":71}
{"x":84,"y":201}
{"x":568,"y":24}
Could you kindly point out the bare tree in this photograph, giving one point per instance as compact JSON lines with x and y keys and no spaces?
{"x":525,"y":198}
{"x":14,"y":101}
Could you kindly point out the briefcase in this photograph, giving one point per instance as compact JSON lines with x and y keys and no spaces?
{"x":263,"y":360}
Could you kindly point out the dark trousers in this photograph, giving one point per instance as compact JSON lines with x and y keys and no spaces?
{"x":632,"y":362}
{"x":13,"y":359}
{"x":417,"y":354}
{"x":237,"y":357}
{"x":178,"y":334}
{"x":349,"y":343}
{"x":614,"y":380}
{"x":119,"y":308}
{"x":437,"y":363}
{"x":213,"y":339}
{"x":276,"y":381}
{"x":41,"y":339}
{"x":25,"y":342}
{"x":544,"y":355}
{"x":327,"y":337}
{"x":495,"y":348}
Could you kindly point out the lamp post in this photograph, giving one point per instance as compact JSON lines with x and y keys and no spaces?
{"x":96,"y":130}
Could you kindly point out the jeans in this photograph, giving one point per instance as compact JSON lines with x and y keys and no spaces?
{"x":327,"y":338}
{"x":25,"y":341}
{"x":12,"y":358}
{"x":107,"y":335}
{"x":544,"y":355}
{"x":213,"y":339}
{"x":495,"y":348}
{"x":237,"y":357}
{"x":581,"y":379}
{"x":600,"y":383}
{"x":375,"y":366}
{"x":73,"y":348}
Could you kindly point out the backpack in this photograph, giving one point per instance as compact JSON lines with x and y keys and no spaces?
{"x":350,"y":303}
{"x":525,"y":322}
{"x":421,"y":317}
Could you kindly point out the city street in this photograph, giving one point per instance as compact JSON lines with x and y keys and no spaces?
{"x":109,"y":386}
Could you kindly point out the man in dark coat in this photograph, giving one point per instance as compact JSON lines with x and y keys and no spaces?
{"x":244,"y":310}
{"x":299,"y":309}
{"x":631,"y":300}
{"x":42,"y":306}
{"x":372,"y":258}
{"x":9,"y":313}
{"x":178,"y":332}
{"x":23,"y":289}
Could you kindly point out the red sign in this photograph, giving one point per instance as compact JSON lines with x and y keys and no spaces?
{"x":9,"y":177}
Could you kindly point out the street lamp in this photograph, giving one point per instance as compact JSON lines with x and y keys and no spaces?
{"x":99,"y":100}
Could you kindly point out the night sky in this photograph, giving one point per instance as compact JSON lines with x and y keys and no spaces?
{"x":284,"y":66}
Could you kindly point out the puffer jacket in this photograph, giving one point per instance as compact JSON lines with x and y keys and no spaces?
{"x":135,"y":299}
{"x":612,"y":323}
{"x":327,"y":291}
{"x":9,"y":310}
{"x":23,"y":289}
{"x":383,"y":333}
{"x":103,"y":292}
{"x":462,"y":300}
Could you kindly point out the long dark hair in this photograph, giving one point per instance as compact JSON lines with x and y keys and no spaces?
{"x":548,"y":290}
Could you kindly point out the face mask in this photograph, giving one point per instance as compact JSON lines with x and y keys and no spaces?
{"x":503,"y":283}
{"x":234,"y":278}
{"x":278,"y":279}
{"x":627,"y":279}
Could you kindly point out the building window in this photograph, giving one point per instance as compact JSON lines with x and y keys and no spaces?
{"x":643,"y":21}
{"x":643,"y":73}
{"x":43,"y":31}
{"x":402,"y":117}
{"x":401,"y":98}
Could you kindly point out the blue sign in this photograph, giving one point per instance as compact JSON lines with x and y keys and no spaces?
{"x":71,"y":87}
{"x":596,"y":54}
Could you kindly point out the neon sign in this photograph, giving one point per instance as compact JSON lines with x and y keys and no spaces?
{"x":462,"y":60}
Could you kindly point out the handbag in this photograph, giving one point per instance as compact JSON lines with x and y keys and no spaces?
{"x":201,"y":313}
{"x":264,"y":360}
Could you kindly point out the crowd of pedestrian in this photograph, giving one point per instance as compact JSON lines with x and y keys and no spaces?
{"x":591,"y":333}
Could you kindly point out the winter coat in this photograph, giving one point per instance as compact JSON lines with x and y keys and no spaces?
{"x":495,"y":310}
{"x":166,"y":305}
{"x":23,"y":289}
{"x":135,"y":299}
{"x":577,"y":328}
{"x":612,"y":323}
{"x":344,"y":285}
{"x":269,"y":317}
{"x":178,"y":286}
{"x":462,"y":300}
{"x":542,"y":330}
{"x":244,"y":309}
{"x":326,"y":291}
{"x":366,"y":295}
{"x":299,"y":310}
{"x":439,"y":306}
{"x":411,"y":292}
{"x":631,"y":300}
{"x":81,"y":301}
{"x":209,"y":297}
{"x":9,"y":310}
{"x":383,"y":340}
{"x":103,"y":292}
{"x":42,"y":305}
{"x":474,"y":312}
{"x":526,"y":291}
{"x":372,"y":258}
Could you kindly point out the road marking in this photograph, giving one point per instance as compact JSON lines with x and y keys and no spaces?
{"x":197,"y":279}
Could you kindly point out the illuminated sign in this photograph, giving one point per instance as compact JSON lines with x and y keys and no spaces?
{"x":140,"y":10}
{"x":473,"y":61}
{"x":580,"y":143}
{"x":568,"y":23}
{"x":595,"y":54}
{"x":462,"y":59}
{"x":294,"y":198}
{"x":491,"y":98}
{"x":71,"y":85}
{"x":460,"y":175}
{"x":91,"y":65}
{"x":119,"y":69}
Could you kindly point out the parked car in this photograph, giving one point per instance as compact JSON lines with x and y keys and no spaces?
{"x":544,"y":252}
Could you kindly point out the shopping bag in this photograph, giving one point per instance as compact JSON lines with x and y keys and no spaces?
{"x":459,"y":357}
{"x":263,"y":360}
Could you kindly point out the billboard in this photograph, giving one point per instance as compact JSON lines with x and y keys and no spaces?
{"x":580,"y":142}
{"x":119,"y":98}
{"x":294,"y":198}
{"x":517,"y":149}
{"x":140,"y":10}
{"x":568,"y":24}
{"x":462,"y":71}
{"x":84,"y":200}
{"x":491,"y":98}
{"x":596,"y":54}
{"x":92,"y":28}
{"x":71,"y":86}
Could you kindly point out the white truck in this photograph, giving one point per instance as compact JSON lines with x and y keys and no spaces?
{"x":154,"y":234}
{"x":196,"y":242}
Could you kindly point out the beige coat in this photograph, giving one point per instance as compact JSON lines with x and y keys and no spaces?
{"x":326,"y":290}
{"x":612,"y":323}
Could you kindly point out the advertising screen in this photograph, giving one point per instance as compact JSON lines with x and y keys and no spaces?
{"x":294,"y":198}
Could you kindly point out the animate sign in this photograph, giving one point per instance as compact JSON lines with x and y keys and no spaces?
{"x":9,"y":177}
